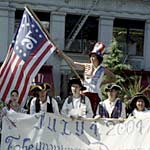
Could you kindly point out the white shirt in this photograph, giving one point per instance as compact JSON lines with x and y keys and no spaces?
{"x":76,"y":108}
{"x":44,"y":106}
{"x":109,"y":106}
{"x":141,"y":114}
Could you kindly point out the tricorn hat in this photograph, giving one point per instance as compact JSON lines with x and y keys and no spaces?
{"x":40,"y":87}
{"x":76,"y":81}
{"x":98,"y":49}
{"x":136,"y":97}
{"x":112,"y":86}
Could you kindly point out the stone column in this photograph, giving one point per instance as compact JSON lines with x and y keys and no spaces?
{"x":147,"y":46}
{"x":57,"y":28}
{"x":57,"y":33}
{"x":3,"y":31}
{"x":105,"y":30}
{"x":7,"y":16}
{"x":11,"y":24}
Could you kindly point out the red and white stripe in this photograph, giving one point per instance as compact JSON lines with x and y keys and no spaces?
{"x":88,"y":70}
{"x":18,"y":75}
{"x":38,"y":79}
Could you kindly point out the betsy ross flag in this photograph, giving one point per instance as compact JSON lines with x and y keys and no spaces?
{"x":28,"y":51}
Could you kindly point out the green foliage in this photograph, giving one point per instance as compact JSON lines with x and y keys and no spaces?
{"x":115,"y":61}
{"x":132,"y":87}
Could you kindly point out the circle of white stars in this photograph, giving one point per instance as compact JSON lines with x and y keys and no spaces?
{"x":23,"y":27}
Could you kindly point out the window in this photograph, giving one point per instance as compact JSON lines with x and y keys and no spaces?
{"x":130,"y":36}
{"x":87,"y":36}
{"x":43,"y":16}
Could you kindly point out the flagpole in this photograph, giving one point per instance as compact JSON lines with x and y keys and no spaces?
{"x":47,"y":34}
{"x":70,"y":64}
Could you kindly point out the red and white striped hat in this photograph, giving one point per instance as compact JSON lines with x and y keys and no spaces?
{"x":38,"y":79}
{"x":98,"y":49}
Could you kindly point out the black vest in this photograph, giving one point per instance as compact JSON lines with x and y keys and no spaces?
{"x":49,"y":106}
{"x":82,"y":100}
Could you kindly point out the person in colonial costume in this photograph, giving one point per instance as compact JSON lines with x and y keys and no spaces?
{"x":77,"y":105}
{"x":43,"y":103}
{"x":113,"y":106}
{"x":139,"y":105}
{"x":93,"y":74}
{"x":34,"y":91}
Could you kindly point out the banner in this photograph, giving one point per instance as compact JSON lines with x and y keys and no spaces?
{"x":50,"y":132}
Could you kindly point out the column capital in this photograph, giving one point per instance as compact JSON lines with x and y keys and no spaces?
{"x":6,"y":11}
{"x":147,"y":25}
{"x":6,"y":6}
{"x":106,"y":20}
{"x":58,"y":13}
{"x":147,"y":21}
{"x":106,"y":17}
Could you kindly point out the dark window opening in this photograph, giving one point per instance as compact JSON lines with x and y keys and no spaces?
{"x":87,"y":36}
{"x":130,"y":36}
{"x":44,"y":17}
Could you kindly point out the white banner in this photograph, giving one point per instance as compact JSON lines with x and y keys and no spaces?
{"x":50,"y":132}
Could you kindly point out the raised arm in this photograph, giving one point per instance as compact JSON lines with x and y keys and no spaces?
{"x":110,"y":76}
{"x":70,"y":61}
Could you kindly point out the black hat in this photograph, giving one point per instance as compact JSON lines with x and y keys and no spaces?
{"x":40,"y":87}
{"x":136,"y":97}
{"x":112,"y":86}
{"x":76,"y":81}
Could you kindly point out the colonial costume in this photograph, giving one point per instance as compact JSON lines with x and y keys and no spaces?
{"x":49,"y":105}
{"x":79,"y":105}
{"x":112,"y":109}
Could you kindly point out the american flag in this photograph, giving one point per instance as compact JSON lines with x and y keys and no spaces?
{"x":28,"y":51}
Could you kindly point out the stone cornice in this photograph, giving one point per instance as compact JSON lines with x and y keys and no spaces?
{"x":137,"y":9}
{"x":5,"y":6}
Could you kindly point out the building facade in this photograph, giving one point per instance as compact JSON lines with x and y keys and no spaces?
{"x":95,"y":20}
